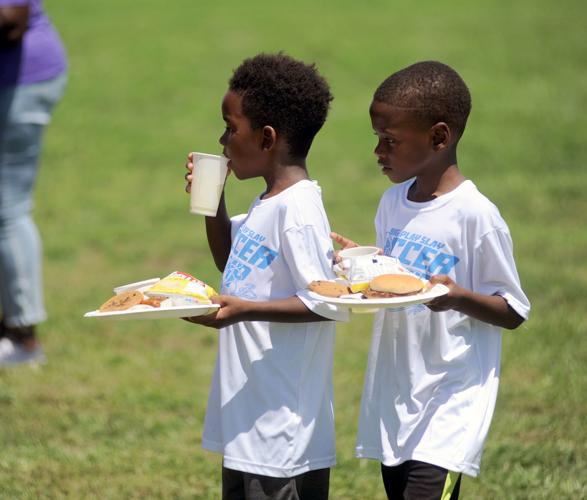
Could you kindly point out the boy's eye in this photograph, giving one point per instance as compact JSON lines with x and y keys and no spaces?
{"x":387,"y":140}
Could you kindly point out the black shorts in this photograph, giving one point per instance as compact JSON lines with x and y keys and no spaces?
{"x":413,"y":480}
{"x":312,"y":485}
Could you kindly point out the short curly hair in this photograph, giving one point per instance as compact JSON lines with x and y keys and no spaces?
{"x":286,"y":94}
{"x":432,"y":90}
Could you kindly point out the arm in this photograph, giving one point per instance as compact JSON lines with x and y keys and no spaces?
{"x":492,"y":309}
{"x":13,"y":24}
{"x":234,"y":310}
{"x":217,"y":228}
{"x":218,"y":233}
{"x":306,"y":255}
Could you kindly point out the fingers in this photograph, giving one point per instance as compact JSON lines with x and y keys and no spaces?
{"x":337,"y":238}
{"x":342,"y":241}
{"x":209,"y":320}
{"x":436,"y":305}
{"x":189,"y":174}
{"x":437,"y":309}
{"x":190,"y":163}
{"x":189,"y":320}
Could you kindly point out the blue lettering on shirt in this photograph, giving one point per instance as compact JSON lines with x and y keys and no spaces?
{"x":246,"y":253}
{"x":424,"y":257}
{"x":443,"y":263}
{"x":419,"y":253}
{"x":263,"y":257}
{"x":247,"y":249}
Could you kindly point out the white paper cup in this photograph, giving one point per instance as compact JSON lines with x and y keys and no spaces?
{"x":209,"y":175}
{"x":350,"y":253}
{"x":342,"y":267}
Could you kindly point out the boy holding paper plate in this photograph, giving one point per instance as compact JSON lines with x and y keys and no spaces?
{"x":270,"y":411}
{"x":433,"y":370}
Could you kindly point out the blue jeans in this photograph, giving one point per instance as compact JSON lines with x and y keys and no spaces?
{"x":25,"y":110}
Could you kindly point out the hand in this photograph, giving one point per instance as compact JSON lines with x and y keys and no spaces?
{"x":189,"y":175}
{"x":343,"y":241}
{"x":448,"y":301}
{"x":14,"y":22}
{"x":232,"y":310}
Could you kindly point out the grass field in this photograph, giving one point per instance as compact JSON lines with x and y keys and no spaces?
{"x":118,"y":411}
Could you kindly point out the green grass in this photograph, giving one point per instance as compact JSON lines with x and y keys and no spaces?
{"x":118,"y":411}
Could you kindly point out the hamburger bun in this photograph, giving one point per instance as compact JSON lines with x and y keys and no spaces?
{"x":393,"y":285}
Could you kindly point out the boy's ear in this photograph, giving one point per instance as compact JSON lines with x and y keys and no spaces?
{"x":269,"y":137}
{"x":441,"y":135}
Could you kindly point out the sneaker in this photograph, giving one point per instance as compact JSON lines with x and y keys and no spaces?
{"x":12,"y":353}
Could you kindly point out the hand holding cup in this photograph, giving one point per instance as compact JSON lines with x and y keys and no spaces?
{"x":189,"y":174}
{"x":205,"y":182}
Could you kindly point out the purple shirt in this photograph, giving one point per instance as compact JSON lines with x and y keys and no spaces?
{"x":39,"y":57}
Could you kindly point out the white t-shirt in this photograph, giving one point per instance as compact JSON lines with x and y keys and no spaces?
{"x":270,"y":408}
{"x":432,"y":378}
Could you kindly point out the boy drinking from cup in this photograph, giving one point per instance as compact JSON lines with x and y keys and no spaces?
{"x":433,"y":372}
{"x":270,"y":409}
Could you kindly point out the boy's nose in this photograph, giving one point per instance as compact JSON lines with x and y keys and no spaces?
{"x":378,"y":150}
{"x":222,"y":139}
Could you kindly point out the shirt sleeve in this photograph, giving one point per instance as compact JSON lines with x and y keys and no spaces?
{"x":379,"y":224}
{"x":309,"y":257}
{"x":494,"y":271}
{"x":235,"y":223}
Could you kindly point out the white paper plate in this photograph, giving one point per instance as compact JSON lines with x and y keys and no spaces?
{"x":372,"y":305}
{"x":156,"y":312}
{"x":136,"y":286}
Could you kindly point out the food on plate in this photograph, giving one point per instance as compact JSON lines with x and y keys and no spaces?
{"x":176,"y":290}
{"x":153,"y":301}
{"x":161,"y":297}
{"x":358,"y":287}
{"x":393,"y":285}
{"x":179,"y":285}
{"x":361,"y":270}
{"x":122,"y":301}
{"x":328,"y":288}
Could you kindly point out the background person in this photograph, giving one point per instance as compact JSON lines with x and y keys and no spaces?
{"x":32,"y":79}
